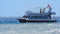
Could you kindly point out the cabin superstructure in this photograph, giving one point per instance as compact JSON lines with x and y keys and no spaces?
{"x":42,"y":16}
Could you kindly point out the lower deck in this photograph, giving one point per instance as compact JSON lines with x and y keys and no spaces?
{"x":24,"y":20}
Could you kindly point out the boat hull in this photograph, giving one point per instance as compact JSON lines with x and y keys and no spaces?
{"x":24,"y":20}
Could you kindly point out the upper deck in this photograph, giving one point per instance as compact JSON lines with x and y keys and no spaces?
{"x":41,"y":15}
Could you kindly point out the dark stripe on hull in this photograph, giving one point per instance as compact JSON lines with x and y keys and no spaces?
{"x":23,"y":20}
{"x":41,"y":21}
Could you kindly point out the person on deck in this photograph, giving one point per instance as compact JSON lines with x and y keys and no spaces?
{"x":49,"y":11}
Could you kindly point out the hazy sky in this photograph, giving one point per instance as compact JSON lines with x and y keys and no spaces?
{"x":16,"y":8}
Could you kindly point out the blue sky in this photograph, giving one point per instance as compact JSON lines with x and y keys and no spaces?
{"x":16,"y":8}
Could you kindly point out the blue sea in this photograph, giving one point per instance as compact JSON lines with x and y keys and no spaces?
{"x":12,"y":26}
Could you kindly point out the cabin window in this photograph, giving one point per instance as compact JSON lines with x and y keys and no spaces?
{"x":39,"y":17}
{"x":26,"y":16}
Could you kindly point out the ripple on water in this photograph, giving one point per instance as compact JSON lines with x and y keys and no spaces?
{"x":30,"y":28}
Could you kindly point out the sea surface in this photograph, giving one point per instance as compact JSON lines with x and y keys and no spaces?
{"x":30,"y":28}
{"x":14,"y":27}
